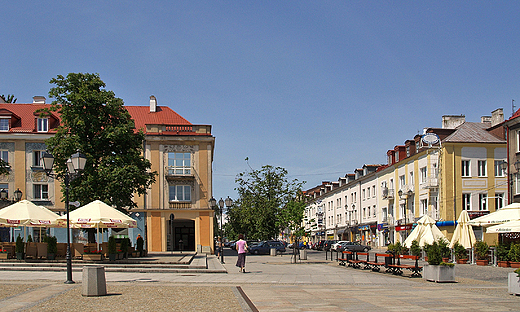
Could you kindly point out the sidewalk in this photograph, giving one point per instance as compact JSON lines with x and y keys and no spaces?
{"x":271,"y":283}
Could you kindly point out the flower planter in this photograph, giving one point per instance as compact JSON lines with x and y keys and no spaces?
{"x":503,"y":264}
{"x":93,"y":257}
{"x":445,"y":260}
{"x":513,"y":283}
{"x":462,"y":261}
{"x":3,"y":256}
{"x":19,"y":256}
{"x":482,"y":262}
{"x":514,"y":264}
{"x":439,"y":273}
{"x":112,"y":257}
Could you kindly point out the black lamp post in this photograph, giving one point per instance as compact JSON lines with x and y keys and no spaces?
{"x":75,"y":165}
{"x":213,"y":203}
{"x":408,"y":194}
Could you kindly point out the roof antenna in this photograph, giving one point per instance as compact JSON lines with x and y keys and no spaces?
{"x":512,"y":107}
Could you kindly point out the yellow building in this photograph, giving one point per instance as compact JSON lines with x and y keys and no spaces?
{"x":173,"y":215}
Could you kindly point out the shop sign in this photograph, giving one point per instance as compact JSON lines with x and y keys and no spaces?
{"x":382,"y":226}
{"x":403,"y":227}
{"x":364,"y":227}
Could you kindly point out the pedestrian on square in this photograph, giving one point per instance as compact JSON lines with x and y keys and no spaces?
{"x":219,"y":247}
{"x":242,"y":250}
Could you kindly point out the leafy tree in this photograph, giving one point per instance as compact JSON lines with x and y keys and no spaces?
{"x":9,"y":99}
{"x":262,"y":197}
{"x":4,"y":167}
{"x":96,"y":123}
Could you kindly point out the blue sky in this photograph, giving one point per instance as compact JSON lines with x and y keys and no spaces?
{"x":317,"y":87}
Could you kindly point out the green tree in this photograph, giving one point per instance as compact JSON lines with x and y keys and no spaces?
{"x":96,"y":123}
{"x":9,"y":99}
{"x":262,"y":196}
{"x":4,"y":167}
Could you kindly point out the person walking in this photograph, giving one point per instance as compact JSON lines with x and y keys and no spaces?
{"x":242,"y":250}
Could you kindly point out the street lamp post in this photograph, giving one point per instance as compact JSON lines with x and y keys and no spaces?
{"x":408,"y":194}
{"x":75,"y":165}
{"x":213,"y":203}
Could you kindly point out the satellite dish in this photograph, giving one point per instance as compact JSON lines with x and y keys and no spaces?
{"x":430,"y":139}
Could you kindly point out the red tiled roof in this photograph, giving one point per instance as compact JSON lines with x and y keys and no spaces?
{"x":23,"y":118}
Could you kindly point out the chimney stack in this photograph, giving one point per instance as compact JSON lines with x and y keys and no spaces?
{"x":452,"y":121}
{"x":153,"y":104}
{"x":38,"y":99}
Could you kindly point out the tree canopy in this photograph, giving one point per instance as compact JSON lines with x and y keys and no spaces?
{"x":96,"y":123}
{"x":9,"y":99}
{"x":265,"y":204}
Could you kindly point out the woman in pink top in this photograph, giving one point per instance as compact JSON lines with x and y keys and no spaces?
{"x":242,"y":250}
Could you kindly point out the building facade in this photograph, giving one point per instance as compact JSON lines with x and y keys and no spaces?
{"x":173,"y":215}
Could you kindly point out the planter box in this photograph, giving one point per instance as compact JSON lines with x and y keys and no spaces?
{"x":3,"y":255}
{"x":93,"y":257}
{"x":439,"y":273}
{"x":503,"y":264}
{"x":462,"y":261}
{"x":515,"y":265}
{"x":482,"y":262}
{"x":513,"y":284}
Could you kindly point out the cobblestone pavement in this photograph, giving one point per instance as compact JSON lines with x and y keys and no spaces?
{"x":271,"y":284}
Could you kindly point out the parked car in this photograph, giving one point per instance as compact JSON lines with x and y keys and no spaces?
{"x":265,"y":247}
{"x":328,"y":244}
{"x":319,"y":245}
{"x":335,"y":246}
{"x":353,"y":246}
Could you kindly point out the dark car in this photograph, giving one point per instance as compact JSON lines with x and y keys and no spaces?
{"x":319,"y":245}
{"x":328,"y":244}
{"x":353,"y":246}
{"x":265,"y":247}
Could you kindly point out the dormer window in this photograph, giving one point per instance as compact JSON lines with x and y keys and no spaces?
{"x":4,"y":124}
{"x":43,"y":124}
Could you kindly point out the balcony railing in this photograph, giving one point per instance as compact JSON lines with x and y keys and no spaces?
{"x":177,"y":205}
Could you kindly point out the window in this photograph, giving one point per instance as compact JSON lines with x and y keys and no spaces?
{"x":465,"y":168}
{"x":517,"y":183}
{"x":363,"y":194}
{"x":4,"y":124}
{"x":4,"y":155}
{"x":397,"y":157}
{"x":424,"y":206}
{"x":411,"y":179}
{"x":43,"y":124}
{"x":408,"y":151}
{"x":373,"y":191}
{"x":482,"y":202}
{"x":364,"y":212}
{"x":5,"y":186}
{"x":518,"y":141}
{"x":374,"y":211}
{"x":499,"y":200}
{"x":466,"y":201}
{"x":499,"y":171}
{"x":179,"y":163}
{"x":37,"y":159}
{"x":368,"y":192}
{"x":402,"y":182}
{"x":422,"y":176}
{"x":481,"y":168}
{"x":180,"y":193}
{"x":41,"y":191}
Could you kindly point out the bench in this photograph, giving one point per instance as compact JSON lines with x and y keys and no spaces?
{"x":356,"y":263}
{"x":376,"y":266}
{"x":345,"y":257}
{"x":398,"y":268}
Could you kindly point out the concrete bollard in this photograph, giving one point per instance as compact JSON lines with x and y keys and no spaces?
{"x":303,"y":254}
{"x":94,"y":282}
{"x":273,"y":251}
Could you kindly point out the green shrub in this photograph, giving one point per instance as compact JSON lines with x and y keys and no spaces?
{"x":415,"y":249}
{"x":112,"y":247}
{"x":124,"y":245}
{"x":502,"y":252}
{"x":514,"y":253}
{"x":29,"y":239}
{"x":460,"y":251}
{"x":443,"y":247}
{"x":52,"y":244}
{"x":434,"y":254}
{"x":19,"y":247}
{"x":481,"y":249}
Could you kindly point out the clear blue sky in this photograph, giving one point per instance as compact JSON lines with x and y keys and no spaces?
{"x":317,"y":87}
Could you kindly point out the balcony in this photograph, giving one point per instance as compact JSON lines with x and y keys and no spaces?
{"x":179,"y":205}
{"x":388,"y":193}
{"x":179,"y":173}
{"x":431,"y":182}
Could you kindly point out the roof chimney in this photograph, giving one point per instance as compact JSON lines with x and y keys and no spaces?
{"x":497,"y":116}
{"x":452,"y":121}
{"x":153,"y":104}
{"x":38,"y":99}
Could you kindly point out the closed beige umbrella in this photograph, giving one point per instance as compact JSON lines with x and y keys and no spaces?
{"x":426,"y":232}
{"x":463,"y":232}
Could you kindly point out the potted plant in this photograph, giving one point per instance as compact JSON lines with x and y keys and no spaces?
{"x":3,"y":254}
{"x":444,"y":249}
{"x":140,"y":245}
{"x":19,"y":248}
{"x":437,"y":270}
{"x":112,"y":249}
{"x":52,"y":247}
{"x":461,"y":254}
{"x":415,"y":249}
{"x":482,"y":250}
{"x":124,"y":246}
{"x":514,"y":256}
{"x":513,"y":282}
{"x":93,"y":255}
{"x":29,"y":239}
{"x":502,"y":255}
